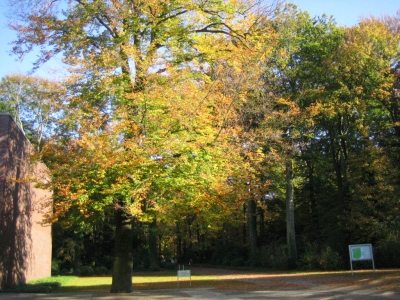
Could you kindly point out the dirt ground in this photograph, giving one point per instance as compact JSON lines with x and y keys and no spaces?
{"x":382,"y":284}
{"x":380,"y":279}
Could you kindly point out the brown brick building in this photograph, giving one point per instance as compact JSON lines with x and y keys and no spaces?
{"x":25,"y":242}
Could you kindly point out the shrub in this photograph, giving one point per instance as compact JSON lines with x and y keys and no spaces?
{"x":169,"y":266}
{"x":274,"y":256}
{"x":238,"y":262}
{"x":86,"y":271}
{"x":55,"y":267}
{"x":387,"y":252}
{"x":101,"y":270}
{"x":330,"y":260}
{"x":309,"y":259}
{"x":327,"y":259}
{"x":154,"y":267}
{"x":65,"y":271}
{"x":224,"y":254}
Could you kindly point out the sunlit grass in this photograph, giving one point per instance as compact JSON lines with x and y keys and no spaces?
{"x":145,"y":282}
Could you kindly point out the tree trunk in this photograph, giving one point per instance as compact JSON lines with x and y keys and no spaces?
{"x":252,"y":227}
{"x":290,"y":231}
{"x":261,"y":226}
{"x":153,"y":244}
{"x":313,"y":202}
{"x":123,"y":257}
{"x":78,"y":247}
{"x":178,"y":244}
{"x":244,"y":227}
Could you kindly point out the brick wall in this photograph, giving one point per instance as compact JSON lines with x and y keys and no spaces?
{"x":25,"y":241}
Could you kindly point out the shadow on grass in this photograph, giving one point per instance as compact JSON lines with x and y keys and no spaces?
{"x":208,"y":283}
{"x":165,"y":285}
{"x":98,"y":288}
{"x":34,"y":288}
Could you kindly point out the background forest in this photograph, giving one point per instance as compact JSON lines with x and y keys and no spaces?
{"x":236,"y":133}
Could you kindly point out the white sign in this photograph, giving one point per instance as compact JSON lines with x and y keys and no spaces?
{"x":184,"y":273}
{"x":361,"y":252}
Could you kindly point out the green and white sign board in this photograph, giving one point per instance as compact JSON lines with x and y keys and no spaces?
{"x":361,"y":252}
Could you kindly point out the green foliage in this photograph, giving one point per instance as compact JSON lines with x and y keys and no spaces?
{"x":387,"y":251}
{"x":325,"y":259}
{"x":86,"y":271}
{"x":309,"y":260}
{"x":330,"y":260}
{"x":55,"y":267}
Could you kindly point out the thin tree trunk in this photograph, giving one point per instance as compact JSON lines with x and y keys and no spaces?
{"x":153,"y":244}
{"x":261,"y":226}
{"x":244,"y":227}
{"x":252,"y":227}
{"x":290,"y":230}
{"x":123,"y":257}
{"x":313,"y":201}
{"x":78,"y":246}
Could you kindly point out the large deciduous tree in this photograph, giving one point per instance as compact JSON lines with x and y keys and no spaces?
{"x":144,"y":118}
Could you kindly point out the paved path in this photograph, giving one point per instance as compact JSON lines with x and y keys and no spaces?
{"x":210,"y":294}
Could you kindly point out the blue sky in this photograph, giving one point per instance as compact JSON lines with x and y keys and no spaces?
{"x":346,"y":13}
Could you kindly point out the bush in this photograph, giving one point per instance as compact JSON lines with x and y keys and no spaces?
{"x":154,"y":267}
{"x":101,"y":270}
{"x":65,"y":271}
{"x":309,"y":261}
{"x":139,"y":267}
{"x":169,"y":266}
{"x":387,"y":252}
{"x":313,"y":259}
{"x":238,"y":262}
{"x":55,"y":267}
{"x":274,"y":256}
{"x":330,"y":260}
{"x":224,"y":254}
{"x":86,"y":271}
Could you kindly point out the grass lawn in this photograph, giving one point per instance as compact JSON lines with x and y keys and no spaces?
{"x":142,"y":281}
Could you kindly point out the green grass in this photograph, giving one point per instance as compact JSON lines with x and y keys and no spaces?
{"x":162,"y":280}
{"x":142,"y":281}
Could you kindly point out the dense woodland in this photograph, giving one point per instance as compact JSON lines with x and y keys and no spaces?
{"x":225,"y":132}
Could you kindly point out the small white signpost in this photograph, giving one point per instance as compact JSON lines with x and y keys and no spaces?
{"x":361,"y":252}
{"x":184,"y":273}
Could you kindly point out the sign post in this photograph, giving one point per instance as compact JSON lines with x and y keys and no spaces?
{"x":361,"y":252}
